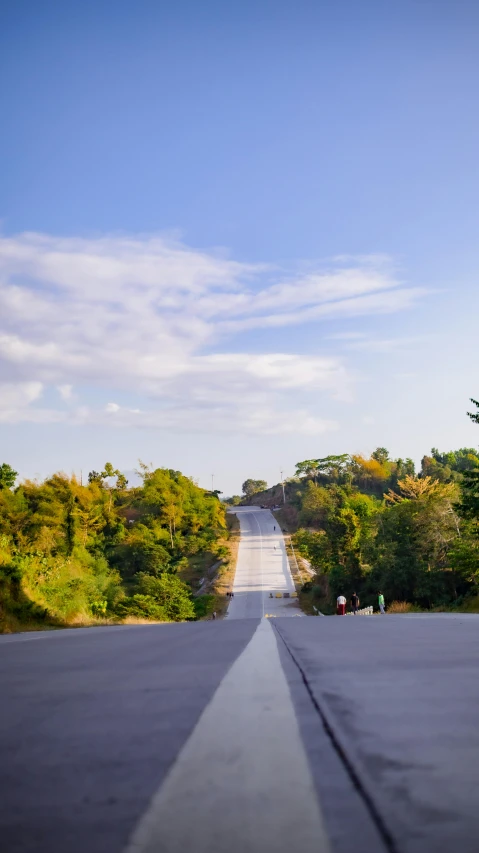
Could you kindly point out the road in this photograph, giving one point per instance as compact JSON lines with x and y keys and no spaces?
{"x":354,"y":735}
{"x":262,"y":569}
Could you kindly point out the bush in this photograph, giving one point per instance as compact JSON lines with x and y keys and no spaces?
{"x":165,"y":598}
{"x":204,"y":605}
{"x":143,"y":607}
{"x":403,"y":607}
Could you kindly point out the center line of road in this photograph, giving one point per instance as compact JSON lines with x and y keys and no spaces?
{"x":242,"y":781}
{"x":260,"y":563}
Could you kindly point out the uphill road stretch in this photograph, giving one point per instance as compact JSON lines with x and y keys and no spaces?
{"x":263,"y":575}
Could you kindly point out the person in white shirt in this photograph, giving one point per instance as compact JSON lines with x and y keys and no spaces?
{"x":341,"y":605}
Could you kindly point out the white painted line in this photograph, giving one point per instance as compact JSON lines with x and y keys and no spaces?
{"x":260,"y":563}
{"x":242,"y":782}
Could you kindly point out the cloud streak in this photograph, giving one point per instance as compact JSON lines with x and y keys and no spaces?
{"x":150,"y":317}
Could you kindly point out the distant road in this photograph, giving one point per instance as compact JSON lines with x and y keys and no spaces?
{"x":262,"y":570}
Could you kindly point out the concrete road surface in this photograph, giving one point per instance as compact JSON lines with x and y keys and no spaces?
{"x":262,"y":573}
{"x":318,"y":735}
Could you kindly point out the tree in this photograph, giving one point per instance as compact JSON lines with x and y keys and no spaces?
{"x":333,"y":466}
{"x":307,"y":468}
{"x":470,"y":484}
{"x":121,"y":482}
{"x":474,"y":416}
{"x":370,"y":473}
{"x":67,"y":548}
{"x":165,"y":598}
{"x":329,"y":466}
{"x":419,"y":530}
{"x":252,"y":487}
{"x":7,"y":476}
{"x":381,"y":455}
{"x":413,"y":488}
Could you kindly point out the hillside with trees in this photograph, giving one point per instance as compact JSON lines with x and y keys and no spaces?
{"x":74,"y":553}
{"x":371,"y":524}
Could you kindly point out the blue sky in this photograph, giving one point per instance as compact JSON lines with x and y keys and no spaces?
{"x":236,"y":235}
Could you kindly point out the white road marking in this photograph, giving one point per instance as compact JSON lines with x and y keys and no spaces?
{"x":242,"y":782}
{"x":261,"y":564}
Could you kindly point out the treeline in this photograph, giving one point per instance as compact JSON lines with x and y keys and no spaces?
{"x":74,"y":553}
{"x":370,"y":524}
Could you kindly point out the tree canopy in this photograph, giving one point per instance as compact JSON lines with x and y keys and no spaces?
{"x":370,"y":523}
{"x":70,"y":551}
{"x":252,"y":487}
{"x":7,"y":476}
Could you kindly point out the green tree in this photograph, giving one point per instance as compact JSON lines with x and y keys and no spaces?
{"x":381,"y":455}
{"x":307,"y":468}
{"x":166,"y":598}
{"x":7,"y":476}
{"x":469,"y":504}
{"x":252,"y":487}
{"x":474,"y":416}
{"x":67,"y":548}
{"x":419,"y":528}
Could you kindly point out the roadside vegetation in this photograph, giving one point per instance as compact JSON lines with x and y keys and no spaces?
{"x":375,"y":524}
{"x":100,"y":552}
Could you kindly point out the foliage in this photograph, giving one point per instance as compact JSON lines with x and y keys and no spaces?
{"x":204,"y":605}
{"x":474,"y":416}
{"x":7,"y":476}
{"x":163,"y":598}
{"x":403,"y":607}
{"x":371,"y":523}
{"x":329,"y":466}
{"x":70,"y":551}
{"x":252,"y":487}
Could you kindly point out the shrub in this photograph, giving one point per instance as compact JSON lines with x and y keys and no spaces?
{"x":165,"y":598}
{"x":204,"y":605}
{"x":403,"y":607}
{"x":143,"y":607}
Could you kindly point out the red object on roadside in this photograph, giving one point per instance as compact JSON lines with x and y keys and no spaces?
{"x":341,"y":610}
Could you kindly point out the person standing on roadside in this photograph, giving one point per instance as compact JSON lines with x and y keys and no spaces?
{"x":341,"y":605}
{"x":354,"y":603}
{"x":381,"y":602}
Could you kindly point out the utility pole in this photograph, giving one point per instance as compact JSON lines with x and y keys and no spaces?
{"x":212,"y":482}
{"x":282,"y":483}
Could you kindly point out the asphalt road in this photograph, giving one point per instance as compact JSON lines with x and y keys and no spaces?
{"x":262,"y":569}
{"x":332,"y":735}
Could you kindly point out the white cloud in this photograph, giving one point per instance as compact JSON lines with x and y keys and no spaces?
{"x":347,"y":336}
{"x":15,"y":398}
{"x":65,"y":391}
{"x":151,"y":317}
{"x":388,"y":344}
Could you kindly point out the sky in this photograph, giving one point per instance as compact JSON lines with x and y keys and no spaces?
{"x":236,"y":235}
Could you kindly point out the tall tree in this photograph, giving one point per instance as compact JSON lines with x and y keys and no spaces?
{"x":470,"y":484}
{"x":252,"y":487}
{"x":7,"y":476}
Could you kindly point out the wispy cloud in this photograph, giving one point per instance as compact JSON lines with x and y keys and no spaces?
{"x":152,"y":317}
{"x":384,"y":345}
